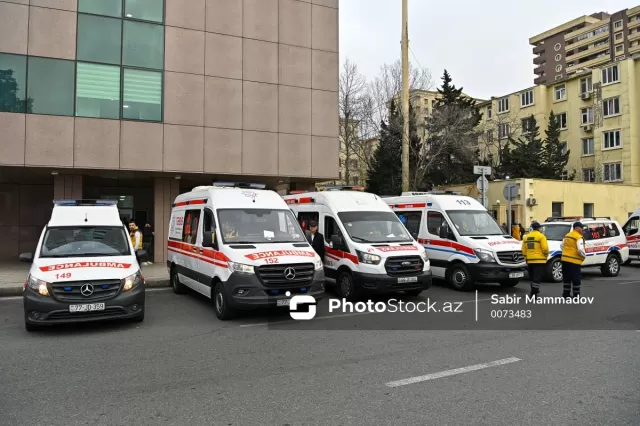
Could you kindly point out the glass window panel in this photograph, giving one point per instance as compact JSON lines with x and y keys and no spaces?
{"x":142,"y":95}
{"x":146,"y":10}
{"x":143,"y":45}
{"x":101,"y":7}
{"x":50,"y":87}
{"x":98,"y":91}
{"x":13,"y":83}
{"x":99,"y":39}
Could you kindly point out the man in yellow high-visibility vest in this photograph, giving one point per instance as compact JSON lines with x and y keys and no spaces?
{"x":573,"y":254}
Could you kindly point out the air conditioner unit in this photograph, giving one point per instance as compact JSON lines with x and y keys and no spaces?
{"x":587,"y":128}
{"x":532,"y":202}
{"x":585,"y":96}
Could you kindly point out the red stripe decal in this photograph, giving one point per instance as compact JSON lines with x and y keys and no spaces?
{"x":341,"y":254}
{"x":190,"y":203}
{"x":448,"y":244}
{"x":77,"y":265}
{"x":279,"y":253}
{"x":207,"y":253}
{"x":408,"y":206}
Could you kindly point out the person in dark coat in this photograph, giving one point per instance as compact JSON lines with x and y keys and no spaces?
{"x":316,"y":239}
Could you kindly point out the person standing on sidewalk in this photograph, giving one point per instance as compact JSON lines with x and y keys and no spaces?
{"x":535,"y":250}
{"x":573,"y":254}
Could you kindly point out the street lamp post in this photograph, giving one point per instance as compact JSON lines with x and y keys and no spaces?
{"x":405,"y":97}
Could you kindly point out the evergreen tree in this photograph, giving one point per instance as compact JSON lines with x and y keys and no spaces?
{"x":554,"y":161}
{"x":523,"y":157}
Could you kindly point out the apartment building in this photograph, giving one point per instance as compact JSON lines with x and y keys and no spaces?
{"x":141,"y":100}
{"x":585,"y":42}
{"x":597,"y":109}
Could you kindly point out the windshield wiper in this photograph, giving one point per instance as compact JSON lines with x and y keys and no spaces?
{"x":362,"y":240}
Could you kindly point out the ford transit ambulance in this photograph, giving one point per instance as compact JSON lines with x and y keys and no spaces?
{"x":241,"y":246}
{"x":632,"y":232}
{"x":605,"y":244}
{"x":367,"y":249}
{"x":84,"y":268}
{"x":464,"y":242}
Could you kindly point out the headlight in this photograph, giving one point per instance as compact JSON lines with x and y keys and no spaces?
{"x":368,"y":258}
{"x":240,"y":268}
{"x":132,"y":280}
{"x":485,"y":255}
{"x":319,"y":265}
{"x":38,"y":286}
{"x":424,"y":256}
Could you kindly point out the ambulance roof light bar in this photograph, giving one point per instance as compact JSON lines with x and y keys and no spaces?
{"x":239,"y":185}
{"x":343,"y":188}
{"x":574,"y":218}
{"x":85,"y":202}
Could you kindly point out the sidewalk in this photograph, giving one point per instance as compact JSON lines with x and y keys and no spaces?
{"x":13,"y":276}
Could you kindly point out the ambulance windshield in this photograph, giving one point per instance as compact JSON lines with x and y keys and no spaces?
{"x":474,"y":223}
{"x":85,"y":242}
{"x":258,"y":226}
{"x":374,"y":227}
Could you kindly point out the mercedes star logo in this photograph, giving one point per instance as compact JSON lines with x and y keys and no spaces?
{"x":289,"y":273}
{"x":516,"y":256}
{"x":86,"y":290}
{"x":406,"y":263}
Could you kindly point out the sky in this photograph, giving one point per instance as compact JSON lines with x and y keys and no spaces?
{"x":483,"y":44}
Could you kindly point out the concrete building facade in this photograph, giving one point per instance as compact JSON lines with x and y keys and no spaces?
{"x":140,"y":100}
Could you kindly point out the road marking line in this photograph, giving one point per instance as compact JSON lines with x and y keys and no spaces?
{"x":338,"y":316}
{"x":158,"y":289}
{"x":453,"y":372}
{"x":628,"y":282}
{"x":11,"y":298}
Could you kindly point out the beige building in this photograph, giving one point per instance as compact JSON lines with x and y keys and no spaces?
{"x":142,"y":100}
{"x":585,"y":42}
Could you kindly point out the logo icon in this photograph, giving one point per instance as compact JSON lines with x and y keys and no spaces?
{"x":290,"y":273}
{"x":302,"y":299}
{"x":406,"y":263}
{"x":86,"y":290}
{"x":250,"y":194}
{"x":516,"y":256}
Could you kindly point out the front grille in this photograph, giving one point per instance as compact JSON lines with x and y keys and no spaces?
{"x":275,"y":275}
{"x":510,"y":257}
{"x":404,"y":265}
{"x":71,"y":291}
{"x":110,"y":311}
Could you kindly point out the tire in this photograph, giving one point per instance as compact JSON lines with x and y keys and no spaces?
{"x":627,"y":263}
{"x":554,"y":271}
{"x":459,"y":278}
{"x":178,"y":287}
{"x":413,"y":293}
{"x":346,"y":288}
{"x":138,"y":318}
{"x":611,"y":268}
{"x":509,"y":283}
{"x":224,"y":312}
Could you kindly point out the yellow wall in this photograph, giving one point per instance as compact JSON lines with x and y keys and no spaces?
{"x":615,"y":201}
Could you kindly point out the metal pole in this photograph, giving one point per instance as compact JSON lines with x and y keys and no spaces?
{"x":509,"y":217}
{"x":484,"y":191}
{"x":405,"y":96}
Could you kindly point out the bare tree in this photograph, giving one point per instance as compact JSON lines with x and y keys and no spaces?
{"x":596,"y":164}
{"x":492,"y":140}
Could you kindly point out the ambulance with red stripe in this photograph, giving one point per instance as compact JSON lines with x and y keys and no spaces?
{"x":464,"y":242}
{"x":84,"y":268}
{"x":632,"y":232}
{"x":241,"y":246}
{"x":367,"y":249}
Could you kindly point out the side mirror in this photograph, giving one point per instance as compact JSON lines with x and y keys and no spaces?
{"x":142,"y":256}
{"x":26,"y":257}
{"x":337,"y":242}
{"x":415,"y":236}
{"x":207,"y":239}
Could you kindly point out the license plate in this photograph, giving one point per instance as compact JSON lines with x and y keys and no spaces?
{"x":516,"y":275}
{"x":283,"y":302}
{"x":90,"y":307}
{"x":407,"y":280}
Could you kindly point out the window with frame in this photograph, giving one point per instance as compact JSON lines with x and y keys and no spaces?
{"x":190,"y":228}
{"x":587,"y":146}
{"x":557,"y":209}
{"x":587,"y":210}
{"x":435,"y":220}
{"x":595,"y":231}
{"x":632,"y":226}
{"x":503,"y":105}
{"x":527,"y":125}
{"x":589,"y":175}
{"x":305,"y":219}
{"x":611,"y":139}
{"x":50,"y":86}
{"x":611,"y":106}
{"x":620,"y":48}
{"x":209,"y":225}
{"x":611,"y":74}
{"x":612,"y":172}
{"x":617,"y":24}
{"x":411,"y":221}
{"x":489,"y":112}
{"x":101,"y":7}
{"x":563,"y":148}
{"x":560,"y":92}
{"x":586,"y":115}
{"x":612,"y":229}
{"x":562,"y":120}
{"x":99,"y":39}
{"x":141,"y":95}
{"x":144,"y":10}
{"x":143,"y":45}
{"x":526,"y":98}
{"x":586,"y":85}
{"x":97,"y":90}
{"x":331,"y":228}
{"x":489,"y":136}
{"x":13,"y":83}
{"x":503,"y":130}
{"x":618,"y":36}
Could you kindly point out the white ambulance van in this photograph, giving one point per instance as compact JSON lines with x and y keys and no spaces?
{"x":367,"y":249}
{"x":464,"y":242}
{"x":84,"y":268}
{"x":605,"y":244}
{"x":241,"y":246}
{"x":632,"y":232}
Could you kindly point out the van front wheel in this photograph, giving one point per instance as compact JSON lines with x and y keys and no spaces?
{"x":459,"y":278}
{"x":224,"y":312}
{"x":346,"y":287}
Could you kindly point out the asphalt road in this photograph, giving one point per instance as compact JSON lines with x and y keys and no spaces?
{"x":183,"y":366}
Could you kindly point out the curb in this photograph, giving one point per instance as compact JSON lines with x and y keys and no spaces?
{"x":16,"y":289}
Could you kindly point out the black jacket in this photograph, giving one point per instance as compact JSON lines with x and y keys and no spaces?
{"x":318,"y":244}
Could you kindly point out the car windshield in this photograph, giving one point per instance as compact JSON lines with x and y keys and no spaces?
{"x":374,"y":227}
{"x":253,"y":226}
{"x":85,"y":242}
{"x":474,"y":223}
{"x":555,"y":232}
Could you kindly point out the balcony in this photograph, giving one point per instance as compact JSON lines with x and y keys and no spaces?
{"x":634,"y":49}
{"x":589,"y":64}
{"x":539,"y":60}
{"x":634,"y":22}
{"x":538,"y":49}
{"x":588,"y":52}
{"x":542,"y":79}
{"x":634,"y":36}
{"x":539,"y":69}
{"x":587,"y":41}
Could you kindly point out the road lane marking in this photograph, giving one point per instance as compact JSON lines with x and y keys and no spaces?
{"x":446,"y":373}
{"x":628,"y":282}
{"x":338,"y":316}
